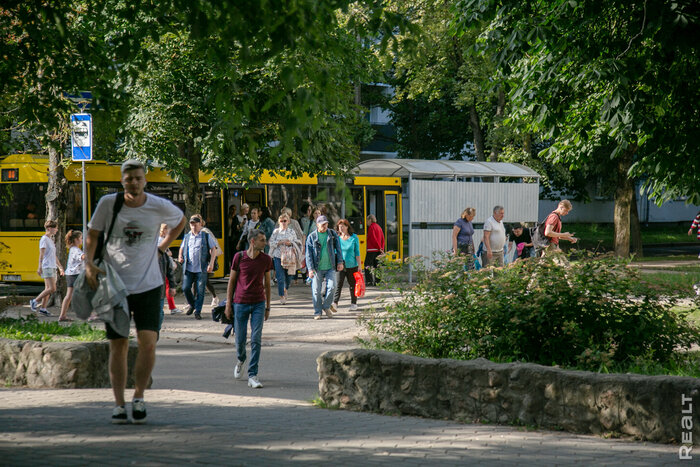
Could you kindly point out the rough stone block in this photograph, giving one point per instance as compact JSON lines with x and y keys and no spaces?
{"x":58,"y":364}
{"x":647,"y":407}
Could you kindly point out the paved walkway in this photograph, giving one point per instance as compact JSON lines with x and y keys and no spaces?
{"x":198,"y":414}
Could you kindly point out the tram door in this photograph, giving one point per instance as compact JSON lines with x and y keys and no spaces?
{"x":385,"y":205}
{"x":236,"y":196}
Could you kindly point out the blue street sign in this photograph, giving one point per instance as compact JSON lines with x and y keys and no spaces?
{"x":81,"y":137}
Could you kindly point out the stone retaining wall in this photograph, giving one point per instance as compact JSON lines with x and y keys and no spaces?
{"x":646,"y":407}
{"x":58,"y":364}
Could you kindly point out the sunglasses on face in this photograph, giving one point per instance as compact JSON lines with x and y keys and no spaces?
{"x":284,"y":222}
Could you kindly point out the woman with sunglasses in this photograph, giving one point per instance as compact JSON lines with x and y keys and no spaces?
{"x":285,"y":249}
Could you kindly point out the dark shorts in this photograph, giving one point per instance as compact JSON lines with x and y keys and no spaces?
{"x":70,"y":279}
{"x":145,"y":308}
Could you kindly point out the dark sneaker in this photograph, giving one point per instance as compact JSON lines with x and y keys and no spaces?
{"x":119,"y":416}
{"x":190,"y":310}
{"x":197,"y":316}
{"x":138,"y":411}
{"x":44,"y":312}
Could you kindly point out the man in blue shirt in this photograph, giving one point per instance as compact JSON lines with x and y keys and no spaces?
{"x":197,"y":255}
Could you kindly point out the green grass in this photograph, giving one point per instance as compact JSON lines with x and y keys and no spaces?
{"x":32,"y":329}
{"x":672,"y":282}
{"x":653,"y":259}
{"x":592,"y":235}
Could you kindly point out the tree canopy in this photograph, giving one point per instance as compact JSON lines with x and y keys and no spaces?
{"x":613,"y":75}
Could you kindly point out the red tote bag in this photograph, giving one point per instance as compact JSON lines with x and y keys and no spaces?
{"x":359,"y":284}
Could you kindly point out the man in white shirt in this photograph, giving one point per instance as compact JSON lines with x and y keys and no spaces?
{"x":494,"y":238}
{"x":132,"y":250}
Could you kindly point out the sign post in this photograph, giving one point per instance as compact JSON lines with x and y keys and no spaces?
{"x":81,"y":149}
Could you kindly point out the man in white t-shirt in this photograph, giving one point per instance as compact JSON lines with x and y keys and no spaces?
{"x":132,"y":250}
{"x":494,"y":238}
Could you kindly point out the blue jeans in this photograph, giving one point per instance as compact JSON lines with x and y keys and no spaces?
{"x":200,"y":279}
{"x":323,"y":302}
{"x":283,"y":279}
{"x":256,"y":313}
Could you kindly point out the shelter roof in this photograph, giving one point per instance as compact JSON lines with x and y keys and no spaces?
{"x":420,"y":168}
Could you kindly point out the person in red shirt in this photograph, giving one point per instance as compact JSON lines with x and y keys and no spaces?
{"x":249,"y":292}
{"x":552,"y":226}
{"x":375,"y":247}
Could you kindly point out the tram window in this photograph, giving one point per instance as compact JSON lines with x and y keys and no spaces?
{"x":74,"y":207}
{"x":290,"y":196}
{"x":211,"y":210}
{"x":354,"y":210}
{"x":24,"y":207}
{"x":99,"y":190}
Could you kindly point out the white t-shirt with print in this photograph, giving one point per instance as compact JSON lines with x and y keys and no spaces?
{"x":498,"y":234}
{"x":75,"y":263}
{"x":132,"y":248}
{"x":49,"y":259}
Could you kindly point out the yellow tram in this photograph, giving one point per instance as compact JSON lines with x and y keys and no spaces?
{"x":25,"y":179}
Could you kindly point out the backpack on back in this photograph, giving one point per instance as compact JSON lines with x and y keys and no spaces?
{"x":539,"y":240}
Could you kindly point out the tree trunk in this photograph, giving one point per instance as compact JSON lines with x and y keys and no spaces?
{"x":497,"y":124}
{"x":624,"y":195}
{"x":527,"y":144}
{"x":190,"y":183}
{"x":478,"y":134}
{"x":635,"y":231}
{"x":56,"y":202}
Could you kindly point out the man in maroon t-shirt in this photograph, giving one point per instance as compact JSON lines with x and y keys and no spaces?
{"x":249,"y":291}
{"x":552,"y":226}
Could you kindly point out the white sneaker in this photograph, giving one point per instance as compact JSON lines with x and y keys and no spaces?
{"x":353,"y":306}
{"x":33,"y":305}
{"x":329,"y":313}
{"x":254,"y":382}
{"x":317,"y":316}
{"x":238,"y":369}
{"x":175,"y":311}
{"x":215,"y":302}
{"x":283,"y":300}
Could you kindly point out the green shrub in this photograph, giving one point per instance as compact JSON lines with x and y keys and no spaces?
{"x":30,"y":328}
{"x":594,"y":313}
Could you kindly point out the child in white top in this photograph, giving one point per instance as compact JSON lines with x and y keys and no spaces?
{"x":74,"y":266}
{"x":48,"y":263}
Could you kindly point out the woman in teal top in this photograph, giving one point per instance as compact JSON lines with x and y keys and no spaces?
{"x":350,"y":245}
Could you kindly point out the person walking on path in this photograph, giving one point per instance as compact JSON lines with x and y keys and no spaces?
{"x":350,"y":247}
{"x":132,"y":251}
{"x":217,"y":252}
{"x":494,"y":238}
{"x":323,"y":258}
{"x":462,"y":241}
{"x":695,"y":225}
{"x":168,"y":267}
{"x":552,"y":227}
{"x":285,"y":249}
{"x":74,"y":266}
{"x":248,"y":299}
{"x":267,"y":225}
{"x":169,"y":284}
{"x":253,"y":223}
{"x":48,"y":264}
{"x":375,"y":247}
{"x":197,"y":256}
